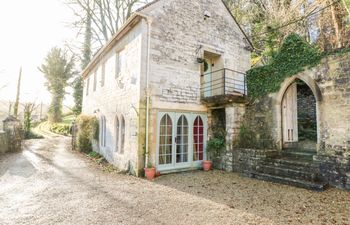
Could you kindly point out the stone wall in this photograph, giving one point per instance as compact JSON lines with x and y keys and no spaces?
{"x":245,"y":161}
{"x":179,"y":35}
{"x":329,"y":82}
{"x":118,"y":96}
{"x":3,"y":142}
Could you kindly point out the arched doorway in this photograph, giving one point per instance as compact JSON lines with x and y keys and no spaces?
{"x":299,"y":117}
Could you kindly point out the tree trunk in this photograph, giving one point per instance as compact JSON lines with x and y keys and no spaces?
{"x":15,"y":108}
{"x":337,"y":26}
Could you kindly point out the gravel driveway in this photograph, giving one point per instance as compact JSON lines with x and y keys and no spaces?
{"x":49,"y":184}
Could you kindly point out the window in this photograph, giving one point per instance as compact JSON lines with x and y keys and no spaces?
{"x":165,"y":140}
{"x":117,"y":130}
{"x":103,"y":131}
{"x":87,"y":85}
{"x":103,"y":74}
{"x":120,"y":63}
{"x":95,"y":80}
{"x":198,"y":139}
{"x":122,"y":135}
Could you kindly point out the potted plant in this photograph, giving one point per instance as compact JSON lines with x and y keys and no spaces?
{"x":150,"y":171}
{"x":214,"y":147}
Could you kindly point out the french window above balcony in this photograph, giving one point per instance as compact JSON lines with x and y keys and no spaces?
{"x":223,"y":86}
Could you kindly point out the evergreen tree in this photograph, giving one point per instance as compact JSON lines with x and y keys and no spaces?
{"x":58,"y":68}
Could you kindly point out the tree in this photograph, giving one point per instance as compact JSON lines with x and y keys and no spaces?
{"x":27,"y":120}
{"x":58,"y":69}
{"x":269,"y":22}
{"x":78,"y":94}
{"x":15,"y":107}
{"x":105,"y":16}
{"x":100,"y":20}
{"x":86,"y":52}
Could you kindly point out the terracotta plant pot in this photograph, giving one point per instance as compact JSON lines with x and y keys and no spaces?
{"x":150,"y":173}
{"x":207,"y":165}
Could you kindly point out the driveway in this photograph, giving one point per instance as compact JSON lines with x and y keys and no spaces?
{"x":47,"y":183}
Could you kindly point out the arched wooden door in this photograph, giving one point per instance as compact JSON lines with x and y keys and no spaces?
{"x":290,"y":117}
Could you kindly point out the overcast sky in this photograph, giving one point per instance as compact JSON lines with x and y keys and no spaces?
{"x":29,"y":29}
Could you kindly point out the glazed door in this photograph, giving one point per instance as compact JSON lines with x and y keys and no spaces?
{"x":290,"y":116}
{"x":181,"y":140}
{"x":208,"y":78}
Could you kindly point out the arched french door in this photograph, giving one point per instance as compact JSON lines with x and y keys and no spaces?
{"x":181,"y":140}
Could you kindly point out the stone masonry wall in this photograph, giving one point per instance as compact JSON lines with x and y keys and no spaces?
{"x":118,"y":97}
{"x":3,"y":142}
{"x":330,"y":82}
{"x":179,"y":35}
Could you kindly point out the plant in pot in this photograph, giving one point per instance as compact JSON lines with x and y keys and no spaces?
{"x":214,"y":147}
{"x":150,"y":171}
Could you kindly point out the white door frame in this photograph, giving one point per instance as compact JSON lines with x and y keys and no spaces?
{"x":190,"y":119}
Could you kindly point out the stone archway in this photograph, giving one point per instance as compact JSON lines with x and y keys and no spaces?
{"x":288,"y":131}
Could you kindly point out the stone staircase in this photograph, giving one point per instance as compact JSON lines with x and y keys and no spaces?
{"x":293,"y":167}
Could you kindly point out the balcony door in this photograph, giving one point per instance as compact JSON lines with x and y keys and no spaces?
{"x":181,"y":140}
{"x":208,"y":76}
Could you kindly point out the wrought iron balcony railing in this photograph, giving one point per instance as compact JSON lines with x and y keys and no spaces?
{"x":223,"y":82}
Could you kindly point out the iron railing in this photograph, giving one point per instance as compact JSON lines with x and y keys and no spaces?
{"x":223,"y":82}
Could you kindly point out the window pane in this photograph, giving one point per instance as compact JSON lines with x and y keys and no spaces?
{"x":198,"y":138}
{"x":122,"y":134}
{"x":165,"y":140}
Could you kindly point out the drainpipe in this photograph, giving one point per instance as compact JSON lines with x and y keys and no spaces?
{"x":149,"y":22}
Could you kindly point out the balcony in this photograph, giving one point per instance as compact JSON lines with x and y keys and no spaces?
{"x":223,"y":86}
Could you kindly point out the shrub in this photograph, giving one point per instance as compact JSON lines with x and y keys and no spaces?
{"x":216,"y":145}
{"x":246,"y":137}
{"x":87,"y":131}
{"x":94,"y":154}
{"x":60,"y":128}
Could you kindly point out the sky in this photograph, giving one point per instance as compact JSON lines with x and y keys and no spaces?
{"x":28,"y":30}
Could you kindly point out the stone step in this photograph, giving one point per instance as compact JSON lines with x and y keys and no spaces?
{"x":291,"y":163}
{"x":317,"y":186}
{"x":308,"y":155}
{"x":290,"y":172}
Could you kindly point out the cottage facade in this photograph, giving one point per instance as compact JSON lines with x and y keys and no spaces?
{"x":156,"y":82}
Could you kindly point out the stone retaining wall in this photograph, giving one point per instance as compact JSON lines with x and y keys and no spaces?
{"x":245,"y":161}
{"x":3,"y":142}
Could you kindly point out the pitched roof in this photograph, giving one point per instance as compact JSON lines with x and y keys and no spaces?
{"x":147,"y":5}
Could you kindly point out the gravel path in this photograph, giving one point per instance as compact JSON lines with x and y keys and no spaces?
{"x":48,"y":184}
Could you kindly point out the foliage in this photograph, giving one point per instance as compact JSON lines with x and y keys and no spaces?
{"x":61,"y":128}
{"x":246,"y":137}
{"x":149,"y":165}
{"x":269,"y":22}
{"x":94,"y":154}
{"x":58,"y":69}
{"x":215,"y":145}
{"x":32,"y":135}
{"x":87,"y":126}
{"x":294,"y":55}
{"x":78,"y":95}
{"x":27,"y":120}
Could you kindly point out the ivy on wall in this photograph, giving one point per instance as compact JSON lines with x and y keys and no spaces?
{"x":294,"y":55}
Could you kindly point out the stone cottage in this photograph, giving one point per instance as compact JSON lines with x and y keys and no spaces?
{"x":157,"y":83}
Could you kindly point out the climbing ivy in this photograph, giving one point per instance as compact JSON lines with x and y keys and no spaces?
{"x":294,"y":55}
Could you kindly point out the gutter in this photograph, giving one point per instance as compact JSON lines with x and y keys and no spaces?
{"x":149,"y":22}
